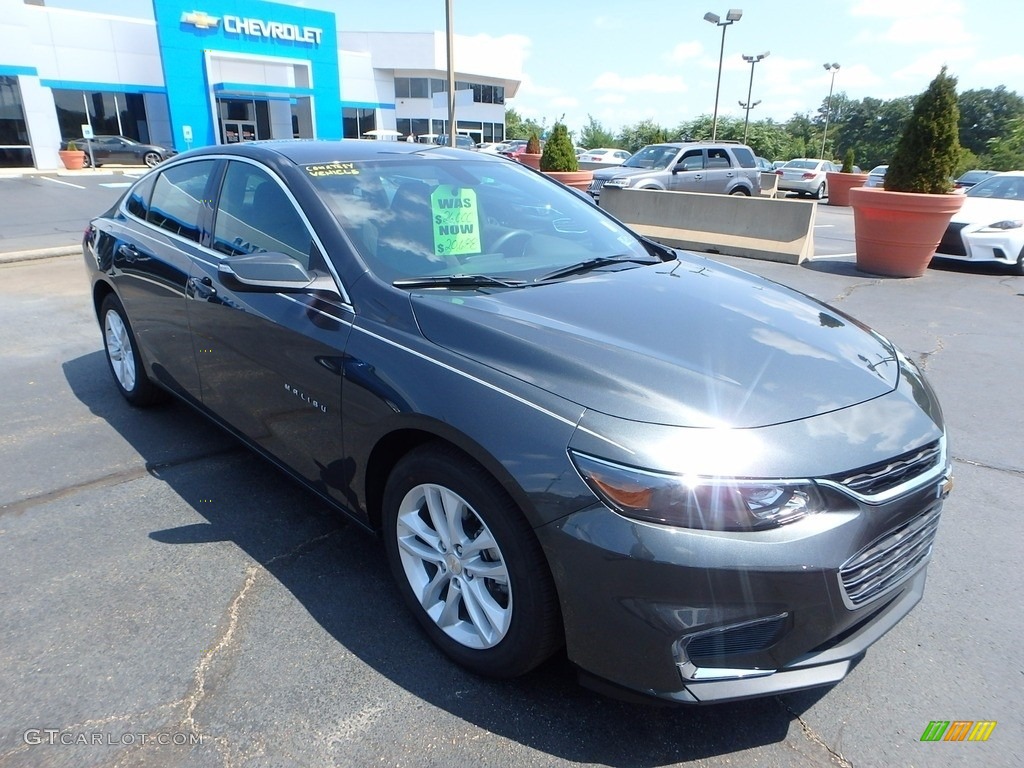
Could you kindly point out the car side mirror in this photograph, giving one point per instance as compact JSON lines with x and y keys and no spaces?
{"x":269,"y":271}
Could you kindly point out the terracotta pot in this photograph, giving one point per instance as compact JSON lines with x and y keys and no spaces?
{"x":73,"y":159}
{"x":527,"y":158}
{"x":576,"y":179}
{"x":840,"y":184}
{"x":896,"y":233}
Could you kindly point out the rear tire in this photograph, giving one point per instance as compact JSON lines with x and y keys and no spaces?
{"x":468,"y":565}
{"x":740,"y":191}
{"x":821,"y":192}
{"x":123,"y":357}
{"x":151,"y":159}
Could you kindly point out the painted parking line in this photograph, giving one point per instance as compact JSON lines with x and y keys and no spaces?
{"x":117,"y":184}
{"x":819,"y":226}
{"x":65,"y":183}
{"x":834,"y":256}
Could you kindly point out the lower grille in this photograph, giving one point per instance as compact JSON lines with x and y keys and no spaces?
{"x":890,"y":559}
{"x":717,"y":645}
{"x":952,"y":243}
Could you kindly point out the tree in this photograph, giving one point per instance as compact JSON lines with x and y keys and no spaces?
{"x":518,"y":128}
{"x":987,"y":114}
{"x":929,"y":148}
{"x":1006,"y":152}
{"x":639,"y":135}
{"x":558,"y":152}
{"x":596,"y":135}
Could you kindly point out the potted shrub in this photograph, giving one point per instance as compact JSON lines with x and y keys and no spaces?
{"x":840,"y":184}
{"x":531,"y":156}
{"x":898,"y":228}
{"x":559,"y":160}
{"x":72,"y":157}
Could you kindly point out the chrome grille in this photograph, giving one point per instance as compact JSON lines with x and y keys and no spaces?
{"x":878,"y":478}
{"x":890,"y":559}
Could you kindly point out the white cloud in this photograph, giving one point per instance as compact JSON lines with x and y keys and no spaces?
{"x":610,"y":98}
{"x":684,"y":52}
{"x":903,"y":9}
{"x":568,"y":102}
{"x":612,"y":81}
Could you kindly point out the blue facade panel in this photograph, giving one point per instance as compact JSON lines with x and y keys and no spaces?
{"x":249,"y":28}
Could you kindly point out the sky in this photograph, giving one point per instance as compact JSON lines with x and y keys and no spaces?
{"x":626,"y":61}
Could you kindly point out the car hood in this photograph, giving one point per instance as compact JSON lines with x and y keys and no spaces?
{"x":985,"y":210}
{"x":684,"y":343}
{"x":619,"y":171}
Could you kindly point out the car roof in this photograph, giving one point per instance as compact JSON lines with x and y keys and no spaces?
{"x":306,"y":151}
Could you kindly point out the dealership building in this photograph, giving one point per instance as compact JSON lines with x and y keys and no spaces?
{"x":191,"y":74}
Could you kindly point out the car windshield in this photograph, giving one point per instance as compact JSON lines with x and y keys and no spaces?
{"x":656,"y":156}
{"x":999,"y":187}
{"x":421,"y":216}
{"x":803,"y":164}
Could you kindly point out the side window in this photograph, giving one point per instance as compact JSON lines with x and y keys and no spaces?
{"x":178,"y":197}
{"x":255,"y":215}
{"x":745,"y":157}
{"x":138,"y":197}
{"x":718,"y":158}
{"x":693,"y":160}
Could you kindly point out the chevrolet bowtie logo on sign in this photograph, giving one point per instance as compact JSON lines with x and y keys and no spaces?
{"x":199,"y":19}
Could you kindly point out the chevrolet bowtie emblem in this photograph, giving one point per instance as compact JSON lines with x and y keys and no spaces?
{"x":200,"y":19}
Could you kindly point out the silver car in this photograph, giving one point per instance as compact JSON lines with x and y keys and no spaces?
{"x":806,"y":176}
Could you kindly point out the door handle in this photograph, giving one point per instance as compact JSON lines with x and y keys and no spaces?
{"x":127,"y":252}
{"x":201,"y":288}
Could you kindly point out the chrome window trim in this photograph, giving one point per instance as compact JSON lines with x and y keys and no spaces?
{"x":219,"y":257}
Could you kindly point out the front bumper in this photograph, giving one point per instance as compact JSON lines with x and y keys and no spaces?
{"x":699,"y":617}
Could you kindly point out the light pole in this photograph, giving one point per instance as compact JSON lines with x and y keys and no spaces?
{"x":828,"y":105}
{"x":750,"y":89}
{"x":450,"y":42}
{"x":734,"y":15}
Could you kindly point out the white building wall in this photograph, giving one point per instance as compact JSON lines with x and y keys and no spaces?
{"x":41,"y":119}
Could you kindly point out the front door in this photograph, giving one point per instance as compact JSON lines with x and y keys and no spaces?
{"x":270,"y":364}
{"x":236,"y":131}
{"x":688,"y":174}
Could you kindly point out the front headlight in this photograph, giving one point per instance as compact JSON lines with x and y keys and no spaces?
{"x":621,"y":182}
{"x":1002,"y":225}
{"x":708,"y":503}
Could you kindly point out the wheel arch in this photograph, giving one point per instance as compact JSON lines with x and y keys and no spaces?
{"x":390,"y":447}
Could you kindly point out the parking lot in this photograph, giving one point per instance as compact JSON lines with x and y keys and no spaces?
{"x":168,"y":598}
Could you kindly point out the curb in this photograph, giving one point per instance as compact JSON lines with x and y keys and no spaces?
{"x":40,"y":253}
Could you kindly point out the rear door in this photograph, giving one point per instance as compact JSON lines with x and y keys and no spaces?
{"x":270,"y":362}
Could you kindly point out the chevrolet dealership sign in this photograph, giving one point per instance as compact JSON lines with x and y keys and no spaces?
{"x":268,"y":30}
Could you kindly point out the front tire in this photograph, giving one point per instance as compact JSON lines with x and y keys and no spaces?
{"x":1018,"y":268}
{"x":468,"y":565}
{"x":123,"y":357}
{"x":151,"y":159}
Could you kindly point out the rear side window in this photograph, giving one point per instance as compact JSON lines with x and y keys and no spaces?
{"x":138,"y":197}
{"x":745,"y":157}
{"x":178,"y":198}
{"x":718,"y":158}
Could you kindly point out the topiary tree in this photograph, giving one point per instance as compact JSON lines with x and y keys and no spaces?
{"x":559,"y":154}
{"x":848,"y":161}
{"x":929,"y":149}
{"x":533,"y":144}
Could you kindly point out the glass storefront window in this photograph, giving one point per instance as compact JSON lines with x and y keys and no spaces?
{"x":110,"y":113}
{"x":14,"y":148}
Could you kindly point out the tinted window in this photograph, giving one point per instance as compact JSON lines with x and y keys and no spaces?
{"x":692,"y":160}
{"x":178,"y":197}
{"x":745,"y":157}
{"x":138,"y":197}
{"x":255,"y":214}
{"x":718,"y":158}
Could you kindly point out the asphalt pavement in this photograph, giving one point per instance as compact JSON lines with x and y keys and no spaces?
{"x":169,"y":599}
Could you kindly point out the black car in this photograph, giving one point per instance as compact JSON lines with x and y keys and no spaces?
{"x":120,"y":150}
{"x":702,"y":484}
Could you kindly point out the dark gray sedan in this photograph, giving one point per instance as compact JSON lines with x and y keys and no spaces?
{"x":704,"y":485}
{"x":120,"y":150}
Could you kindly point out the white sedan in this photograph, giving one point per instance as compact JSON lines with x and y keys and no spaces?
{"x":806,"y":176}
{"x":990,"y":225}
{"x":608,"y":155}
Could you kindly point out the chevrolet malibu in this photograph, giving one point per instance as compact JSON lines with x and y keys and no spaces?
{"x":704,"y":486}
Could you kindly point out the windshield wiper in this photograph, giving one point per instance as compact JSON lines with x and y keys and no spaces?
{"x":589,"y":264}
{"x":455,"y":281}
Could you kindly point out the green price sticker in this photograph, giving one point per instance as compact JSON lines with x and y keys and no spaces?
{"x":456,"y":220}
